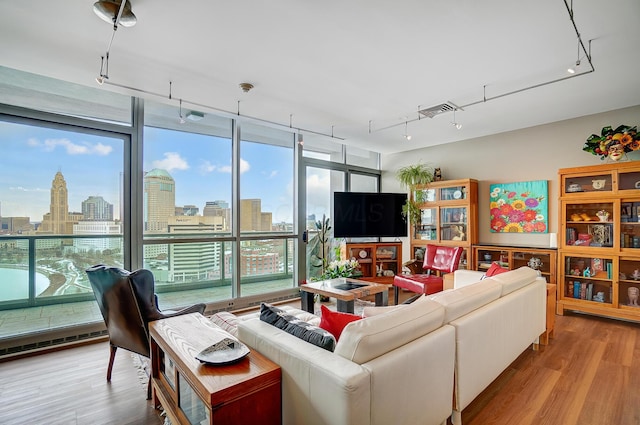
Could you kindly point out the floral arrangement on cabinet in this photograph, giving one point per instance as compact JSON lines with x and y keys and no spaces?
{"x":613,"y":144}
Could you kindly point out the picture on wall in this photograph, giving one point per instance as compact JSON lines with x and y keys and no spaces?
{"x":520,"y":207}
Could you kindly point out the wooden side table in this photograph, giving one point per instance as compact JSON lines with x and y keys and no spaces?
{"x":248,"y":391}
{"x":551,"y":314}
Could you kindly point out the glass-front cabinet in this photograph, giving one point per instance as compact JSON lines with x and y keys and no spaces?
{"x":543,"y":260}
{"x":600,"y":240}
{"x":448,"y":216}
{"x":589,"y":279}
{"x":589,"y":224}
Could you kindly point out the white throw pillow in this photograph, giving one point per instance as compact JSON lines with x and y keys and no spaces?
{"x":372,"y":337}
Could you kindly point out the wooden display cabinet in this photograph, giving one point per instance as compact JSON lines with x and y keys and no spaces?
{"x":379,"y":261}
{"x":514,"y":257}
{"x":449,"y":216}
{"x":599,"y":240}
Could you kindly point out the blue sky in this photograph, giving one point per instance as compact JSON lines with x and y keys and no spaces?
{"x":200,"y":166}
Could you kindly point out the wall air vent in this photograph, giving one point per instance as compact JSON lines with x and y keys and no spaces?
{"x":437,"y":110}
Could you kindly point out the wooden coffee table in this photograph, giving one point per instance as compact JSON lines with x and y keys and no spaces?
{"x":345,"y":291}
{"x":245,"y":392}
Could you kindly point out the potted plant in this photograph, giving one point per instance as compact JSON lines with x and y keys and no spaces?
{"x":409,"y":177}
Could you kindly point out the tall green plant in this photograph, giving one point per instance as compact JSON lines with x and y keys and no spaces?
{"x":409,"y":177}
{"x":320,"y":258}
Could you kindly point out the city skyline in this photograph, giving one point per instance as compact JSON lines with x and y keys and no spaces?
{"x":92,"y":166}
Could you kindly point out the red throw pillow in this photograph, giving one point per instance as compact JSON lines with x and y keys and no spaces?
{"x":334,"y":322}
{"x":495,"y":269}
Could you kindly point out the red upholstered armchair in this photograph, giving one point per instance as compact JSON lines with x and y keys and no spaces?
{"x":443,"y":259}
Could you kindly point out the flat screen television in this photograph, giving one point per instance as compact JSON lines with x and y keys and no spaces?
{"x":368,"y":215}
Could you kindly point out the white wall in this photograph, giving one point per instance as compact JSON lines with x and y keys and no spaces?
{"x":535,"y":153}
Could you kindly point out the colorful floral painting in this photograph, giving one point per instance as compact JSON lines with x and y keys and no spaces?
{"x":520,"y":207}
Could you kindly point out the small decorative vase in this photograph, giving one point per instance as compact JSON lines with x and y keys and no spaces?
{"x":603,"y":215}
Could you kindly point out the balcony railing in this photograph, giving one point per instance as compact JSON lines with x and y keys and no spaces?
{"x":44,"y":270}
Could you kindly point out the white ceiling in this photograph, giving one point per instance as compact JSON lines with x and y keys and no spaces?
{"x":352,"y":68}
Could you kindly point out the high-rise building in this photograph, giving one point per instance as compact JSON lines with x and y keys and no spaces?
{"x":96,"y":208}
{"x":97,"y":227}
{"x":195,"y":261}
{"x":218,"y":208}
{"x":159,"y":200}
{"x":190,"y":210}
{"x":56,"y":220}
{"x":250,"y":215}
{"x":266,"y":221}
{"x":15,"y":225}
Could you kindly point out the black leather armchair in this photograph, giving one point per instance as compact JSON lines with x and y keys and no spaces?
{"x":128,"y":303}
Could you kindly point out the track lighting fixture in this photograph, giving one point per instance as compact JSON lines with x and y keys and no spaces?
{"x":573,"y":70}
{"x":104,"y":69}
{"x":182,"y":121}
{"x":455,"y":123}
{"x":406,"y":135}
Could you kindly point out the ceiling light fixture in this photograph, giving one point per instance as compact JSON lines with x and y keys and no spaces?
{"x":587,"y":68}
{"x":573,"y":70}
{"x":246,"y":87}
{"x":182,"y":121}
{"x":115,"y":12}
{"x":406,"y":136}
{"x":104,"y":70}
{"x":455,"y":123}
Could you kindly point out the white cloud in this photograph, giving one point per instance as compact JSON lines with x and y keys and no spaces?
{"x":207,"y":167}
{"x":172,"y":161}
{"x":318,"y":185}
{"x":24,"y":189}
{"x":83,"y":148}
{"x":244,"y":167}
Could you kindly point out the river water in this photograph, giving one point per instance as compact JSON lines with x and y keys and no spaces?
{"x":14,"y":284}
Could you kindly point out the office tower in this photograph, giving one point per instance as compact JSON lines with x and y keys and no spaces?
{"x":251,"y":215}
{"x":159,"y":200}
{"x":218,"y":208}
{"x":96,"y":208}
{"x":55,"y":221}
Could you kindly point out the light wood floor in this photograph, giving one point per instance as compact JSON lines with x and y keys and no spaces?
{"x":588,"y":375}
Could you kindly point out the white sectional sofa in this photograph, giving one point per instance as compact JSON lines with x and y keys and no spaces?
{"x":405,"y":365}
{"x":496,"y":319}
{"x":393,"y":368}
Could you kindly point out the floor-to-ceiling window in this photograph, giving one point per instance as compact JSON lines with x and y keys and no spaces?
{"x":331,"y":167}
{"x":61,"y":203}
{"x":187,"y":206}
{"x":209,"y":202}
{"x":267,"y":208}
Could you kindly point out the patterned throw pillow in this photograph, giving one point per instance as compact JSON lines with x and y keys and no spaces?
{"x":227,"y":321}
{"x":296,"y":327}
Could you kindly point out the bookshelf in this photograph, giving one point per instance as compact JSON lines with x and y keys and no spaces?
{"x":379,"y":261}
{"x":599,"y":246}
